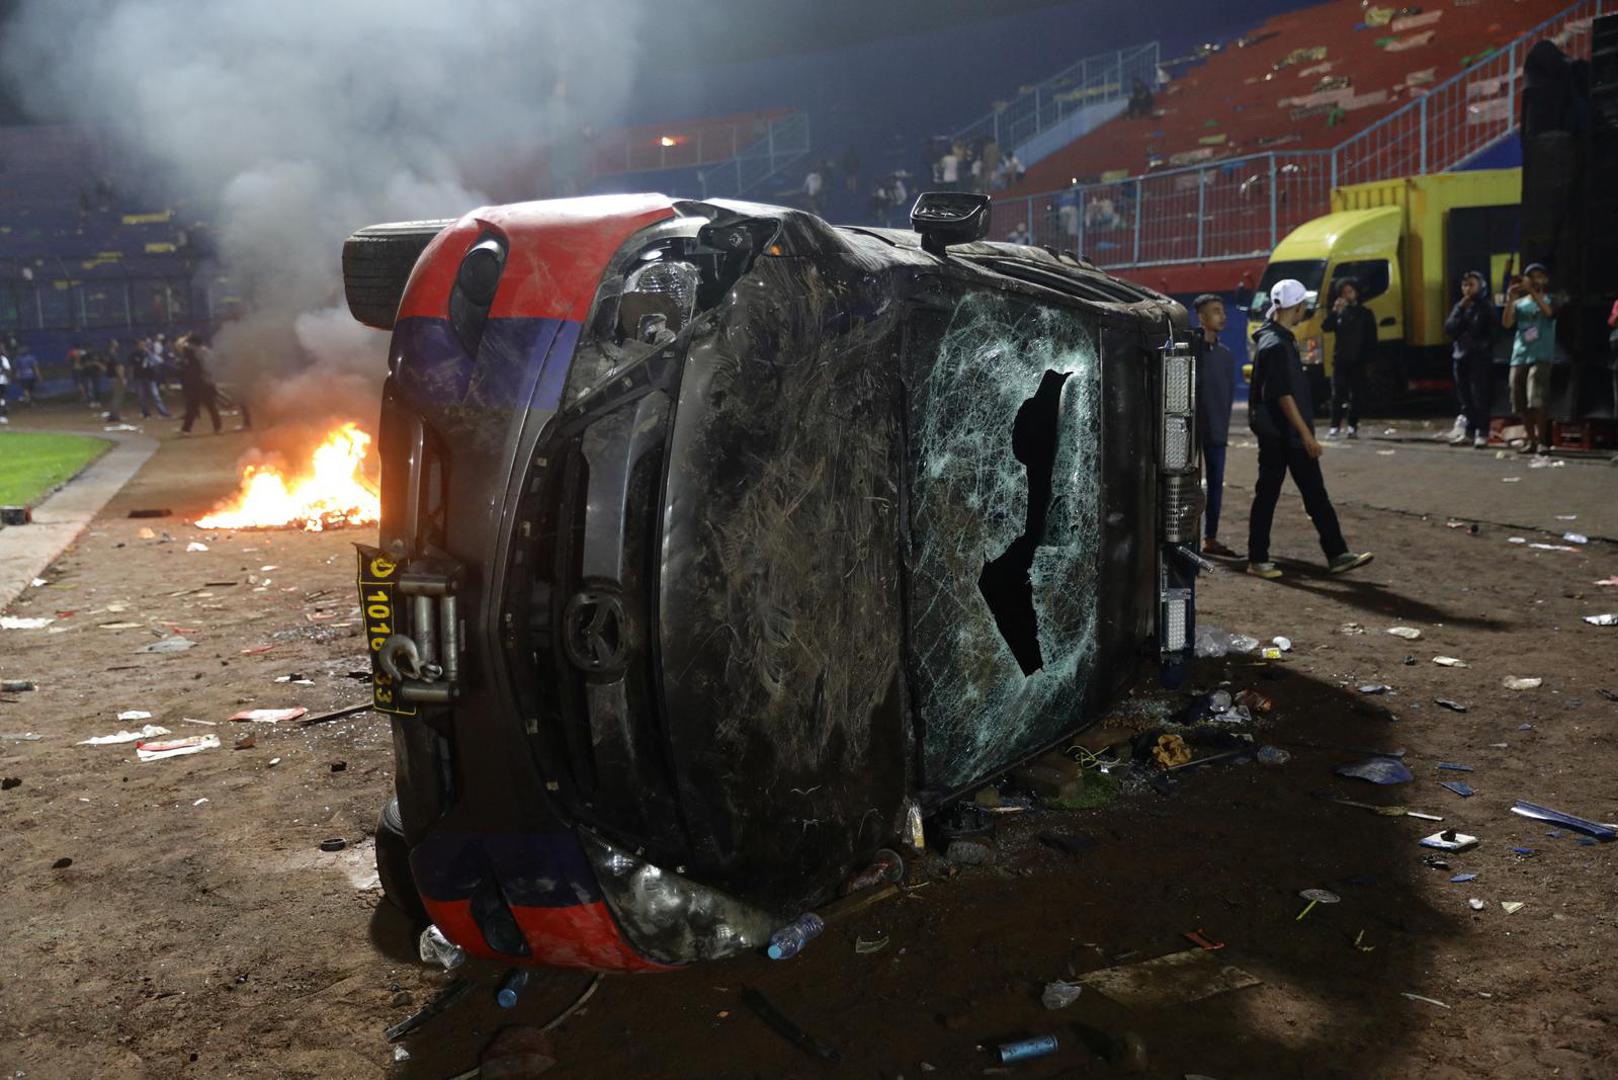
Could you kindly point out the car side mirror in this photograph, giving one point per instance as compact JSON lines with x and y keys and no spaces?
{"x":949,"y":217}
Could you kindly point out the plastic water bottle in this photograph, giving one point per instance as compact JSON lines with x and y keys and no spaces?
{"x":435,"y":948}
{"x":511,"y":987}
{"x":791,"y":938}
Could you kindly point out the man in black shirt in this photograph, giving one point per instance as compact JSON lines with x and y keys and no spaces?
{"x":1281,"y":415}
{"x":1216,"y":387}
{"x":1355,"y":327}
{"x":1471,"y":325}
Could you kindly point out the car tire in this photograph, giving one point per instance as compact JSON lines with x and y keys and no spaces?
{"x":377,"y":262}
{"x":393,"y":864}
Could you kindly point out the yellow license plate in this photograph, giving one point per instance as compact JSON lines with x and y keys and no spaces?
{"x":379,"y":582}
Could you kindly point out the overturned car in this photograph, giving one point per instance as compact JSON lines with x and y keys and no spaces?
{"x":720,"y":546}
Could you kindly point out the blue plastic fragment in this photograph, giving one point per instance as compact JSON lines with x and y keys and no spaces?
{"x":1378,"y":770}
{"x":1455,"y":766}
{"x":1525,"y":727}
{"x":1460,"y":787}
{"x":1458,"y":878}
{"x":1524,"y":851}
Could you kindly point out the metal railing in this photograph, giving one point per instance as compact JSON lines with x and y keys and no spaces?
{"x":1103,"y":77}
{"x":679,"y":146}
{"x":784,"y":142}
{"x":1241,"y":207}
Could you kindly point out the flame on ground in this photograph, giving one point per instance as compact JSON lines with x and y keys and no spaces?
{"x":332,"y":493}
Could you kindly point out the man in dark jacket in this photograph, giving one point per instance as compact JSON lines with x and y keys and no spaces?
{"x":1216,"y":388}
{"x":1281,"y":416}
{"x":196,"y":386}
{"x":1471,"y":325}
{"x":1355,"y":328}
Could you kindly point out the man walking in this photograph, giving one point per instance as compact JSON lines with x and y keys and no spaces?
{"x":1471,"y":326}
{"x":1282,"y":417}
{"x":1529,"y":312}
{"x":27,"y":375}
{"x":1355,"y":328}
{"x":147,"y":370}
{"x":1216,"y":387}
{"x":197,"y":386}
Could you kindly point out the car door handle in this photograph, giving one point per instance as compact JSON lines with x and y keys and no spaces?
{"x":1388,"y":321}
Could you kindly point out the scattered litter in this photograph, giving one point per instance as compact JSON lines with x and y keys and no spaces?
{"x":1282,"y":643}
{"x":1575,"y":538}
{"x":790,"y":939}
{"x":1378,"y":770}
{"x":1455,"y":766}
{"x":18,"y":622}
{"x":333,"y":843}
{"x":191,"y":744}
{"x":1599,"y":830}
{"x":9,"y":782}
{"x":246,"y":742}
{"x":1409,"y":633}
{"x":202,"y":723}
{"x":1450,"y":840}
{"x":1272,"y":755}
{"x":1553,"y":547}
{"x":120,"y":626}
{"x":1025,"y":1049}
{"x":1212,"y":642}
{"x":20,"y":736}
{"x":1510,"y":479}
{"x":1511,"y":907}
{"x":1460,"y":787}
{"x":1428,"y":1000}
{"x":272,"y":763}
{"x":196,"y":546}
{"x":255,"y":650}
{"x":1171,"y":750}
{"x":268,"y":716}
{"x":1516,"y":540}
{"x":1386,"y":453}
{"x":1610,"y":582}
{"x":150,"y":731}
{"x":1316,"y":896}
{"x":864,"y":946}
{"x":1475,"y":904}
{"x":296,"y":679}
{"x":1186,"y":976}
{"x":968,"y":853}
{"x":1609,"y":619}
{"x":777,"y":1021}
{"x":1452,"y":706}
{"x":154,"y":513}
{"x":452,"y":994}
{"x":339,"y":766}
{"x":1458,"y":878}
{"x":200,"y":801}
{"x":1200,"y":940}
{"x":16,"y":686}
{"x":1351,"y":629}
{"x":1512,"y":682}
{"x":1449,"y":661}
{"x":172,"y":644}
{"x":62,"y":864}
{"x":134,"y":714}
{"x":1375,"y":688}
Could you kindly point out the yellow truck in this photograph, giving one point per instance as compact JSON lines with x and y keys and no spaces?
{"x":1406,"y":242}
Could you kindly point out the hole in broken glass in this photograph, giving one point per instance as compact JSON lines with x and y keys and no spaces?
{"x":1005,"y":582}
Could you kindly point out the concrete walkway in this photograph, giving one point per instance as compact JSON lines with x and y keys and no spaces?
{"x":26,"y":550}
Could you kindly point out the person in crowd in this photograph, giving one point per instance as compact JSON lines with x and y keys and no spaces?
{"x":1141,"y":99}
{"x":1281,"y":415}
{"x":851,"y":169}
{"x":990,"y":165}
{"x":899,"y":194}
{"x":1015,"y":169}
{"x":147,"y":371}
{"x":27,"y":374}
{"x":5,"y":385}
{"x":949,"y":169}
{"x":95,"y":372}
{"x":1216,"y":391}
{"x":75,"y":370}
{"x":197,"y":385}
{"x":1019,"y":234}
{"x":1471,"y":326}
{"x":118,"y":377}
{"x":813,"y":183}
{"x":1355,"y":328}
{"x":1531,"y":316}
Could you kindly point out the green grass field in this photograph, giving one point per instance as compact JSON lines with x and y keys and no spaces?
{"x":31,"y":465}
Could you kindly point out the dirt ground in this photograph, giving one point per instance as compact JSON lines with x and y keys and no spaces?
{"x":200,"y":930}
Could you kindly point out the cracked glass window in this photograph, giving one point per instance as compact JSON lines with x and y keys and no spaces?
{"x":1005,"y":528}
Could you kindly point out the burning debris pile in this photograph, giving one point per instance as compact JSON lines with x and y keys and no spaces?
{"x":333,"y":493}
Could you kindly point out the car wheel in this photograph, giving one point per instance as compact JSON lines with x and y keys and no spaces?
{"x":393,"y":864}
{"x":377,"y":262}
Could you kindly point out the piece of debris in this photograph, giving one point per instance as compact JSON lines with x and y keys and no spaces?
{"x":1171,"y":750}
{"x":1511,"y":907}
{"x":1059,"y":993}
{"x":1599,"y":830}
{"x":1460,"y":787}
{"x":886,"y":866}
{"x":255,"y":650}
{"x":1575,"y":538}
{"x":172,"y":644}
{"x":1449,"y":661}
{"x":1428,"y":1000}
{"x":1511,"y":682}
{"x":864,"y":946}
{"x":9,"y":782}
{"x":153,"y":513}
{"x":335,"y":714}
{"x":339,"y":766}
{"x":16,"y":686}
{"x":134,"y":714}
{"x":1452,"y":706}
{"x":333,"y":843}
{"x":1475,"y":904}
{"x":196,"y":546}
{"x":20,"y":736}
{"x":1608,"y":619}
{"x":1409,"y":633}
{"x":1026,"y":1049}
{"x":1378,"y":770}
{"x":19,"y":622}
{"x":777,"y":1021}
{"x":62,"y":864}
{"x":1201,"y":941}
{"x":790,"y":939}
{"x":272,"y":763}
{"x":451,"y":994}
{"x":1179,"y":977}
{"x":1450,"y":840}
{"x":1375,"y":688}
{"x":1272,"y":755}
{"x":968,"y":853}
{"x":1455,"y":766}
{"x":246,"y":742}
{"x":1282,"y":643}
{"x":268,"y":716}
{"x":1316,"y":896}
{"x":296,"y":679}
{"x":150,"y":731}
{"x":191,"y":744}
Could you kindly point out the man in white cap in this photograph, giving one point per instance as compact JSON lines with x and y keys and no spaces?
{"x":1281,"y":415}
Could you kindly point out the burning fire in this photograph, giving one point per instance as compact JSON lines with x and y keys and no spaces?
{"x":333,"y":493}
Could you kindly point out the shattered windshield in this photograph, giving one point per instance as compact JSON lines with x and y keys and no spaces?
{"x":1005,"y":527}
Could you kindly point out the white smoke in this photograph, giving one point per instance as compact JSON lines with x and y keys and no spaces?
{"x":292,"y":123}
